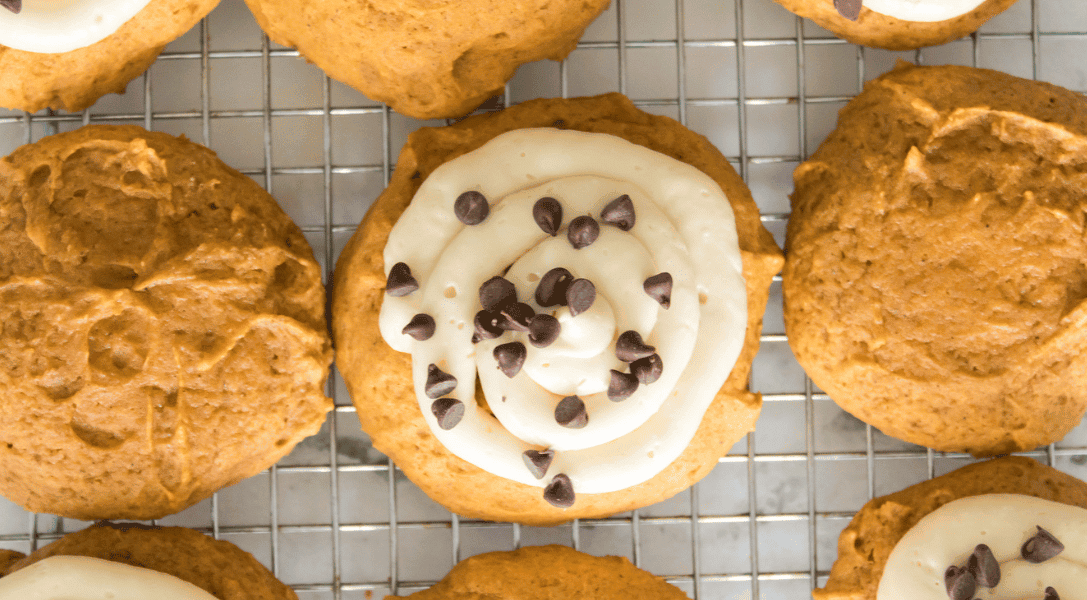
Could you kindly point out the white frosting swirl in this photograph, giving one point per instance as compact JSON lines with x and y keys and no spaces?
{"x":86,"y":578}
{"x":948,"y":535}
{"x":684,"y":226}
{"x":55,"y":26}
{"x":925,"y":11}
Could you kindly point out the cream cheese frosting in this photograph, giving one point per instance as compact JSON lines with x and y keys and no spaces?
{"x":926,"y":11}
{"x":1004,"y":522}
{"x":55,"y":26}
{"x":86,"y":578}
{"x":683,"y":226}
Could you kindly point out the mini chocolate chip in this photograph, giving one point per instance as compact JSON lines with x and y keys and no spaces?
{"x":420,"y":327}
{"x":619,"y":212}
{"x":630,"y":347}
{"x":984,"y":566}
{"x":850,"y":9}
{"x":476,"y":338}
{"x":1041,"y":547}
{"x":448,"y":411}
{"x":471,"y":208}
{"x":551,"y":291}
{"x":647,"y":369}
{"x":559,"y":124}
{"x":496,"y":293}
{"x":400,"y":281}
{"x":1051,"y":594}
{"x":510,"y":357}
{"x":560,"y":492}
{"x":543,"y":330}
{"x":488,"y":324}
{"x":14,"y":6}
{"x":582,"y":232}
{"x":621,"y":386}
{"x":438,"y":382}
{"x":960,"y":583}
{"x":548,"y":215}
{"x":517,"y":317}
{"x":538,"y":462}
{"x":580,"y":296}
{"x":570,"y":412}
{"x":659,"y":288}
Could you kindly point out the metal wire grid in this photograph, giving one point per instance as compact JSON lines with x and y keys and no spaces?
{"x":769,"y":517}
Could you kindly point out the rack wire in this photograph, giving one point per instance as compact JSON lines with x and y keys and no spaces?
{"x":337,"y":520}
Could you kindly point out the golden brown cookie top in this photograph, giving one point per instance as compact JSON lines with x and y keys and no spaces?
{"x":937,"y":235}
{"x":164,"y":325}
{"x":548,"y":573}
{"x":219,"y":568}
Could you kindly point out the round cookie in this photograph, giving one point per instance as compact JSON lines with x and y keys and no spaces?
{"x":865,"y":545}
{"x":163,"y":326}
{"x":219,"y":568}
{"x":935,"y":280}
{"x":380,"y":379}
{"x":74,"y":80}
{"x":427,"y":59}
{"x":546,"y":572}
{"x":871,"y":28}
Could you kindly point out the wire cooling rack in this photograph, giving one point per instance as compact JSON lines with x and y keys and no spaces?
{"x":336,"y":519}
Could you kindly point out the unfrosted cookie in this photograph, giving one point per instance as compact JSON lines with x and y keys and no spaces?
{"x":163,"y":326}
{"x":546,"y":573}
{"x":36,"y":76}
{"x":898,"y":24}
{"x":866,"y":544}
{"x":220,"y":568}
{"x":548,"y":216}
{"x":427,"y":59}
{"x":934,"y":285}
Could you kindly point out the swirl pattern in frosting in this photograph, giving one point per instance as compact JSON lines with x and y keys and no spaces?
{"x":556,"y":369}
{"x":87,"y":578}
{"x":55,"y":26}
{"x":947,"y":536}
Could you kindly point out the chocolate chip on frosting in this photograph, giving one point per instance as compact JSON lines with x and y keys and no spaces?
{"x":583,"y":231}
{"x":488,"y":324}
{"x":630,"y":347}
{"x":471,"y":208}
{"x":984,"y":566}
{"x":538,"y":462}
{"x":400,"y":281}
{"x":959,"y":583}
{"x":543,"y":330}
{"x":547,"y":212}
{"x":659,"y":288}
{"x":496,"y":293}
{"x":619,"y":212}
{"x":647,"y":369}
{"x":551,"y":291}
{"x":1041,"y":547}
{"x":560,"y":492}
{"x":1051,"y":594}
{"x":517,"y":317}
{"x":850,"y":9}
{"x":14,"y":6}
{"x":420,"y":327}
{"x":510,"y":357}
{"x":448,"y":411}
{"x":570,"y":412}
{"x":580,"y":296}
{"x":621,"y":386}
{"x":438,"y":382}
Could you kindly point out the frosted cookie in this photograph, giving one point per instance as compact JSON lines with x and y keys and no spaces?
{"x":603,"y":270}
{"x":898,"y":24}
{"x":546,"y":572}
{"x":1005,"y":528}
{"x":934,"y":284}
{"x":163,"y":326}
{"x":127,"y":561}
{"x":427,"y":59}
{"x":65,"y":56}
